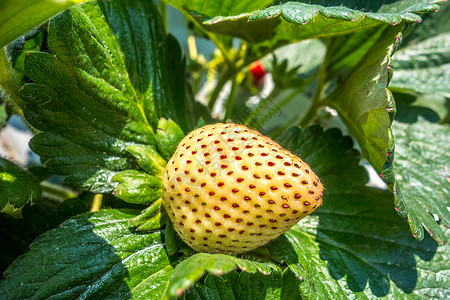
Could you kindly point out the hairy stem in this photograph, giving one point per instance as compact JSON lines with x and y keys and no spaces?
{"x":280,"y":105}
{"x":260,"y":106}
{"x":231,"y":99}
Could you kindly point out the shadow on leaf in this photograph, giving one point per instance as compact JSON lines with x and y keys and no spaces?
{"x":362,"y":238}
{"x":93,"y":255}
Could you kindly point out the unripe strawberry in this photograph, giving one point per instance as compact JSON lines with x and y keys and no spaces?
{"x":229,"y":189}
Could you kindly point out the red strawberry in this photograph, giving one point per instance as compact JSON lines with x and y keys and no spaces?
{"x":258,"y":73}
{"x":229,"y":189}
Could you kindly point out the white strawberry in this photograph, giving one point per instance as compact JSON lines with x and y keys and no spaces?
{"x":229,"y":189}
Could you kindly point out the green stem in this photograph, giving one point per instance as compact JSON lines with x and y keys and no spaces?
{"x":220,"y":46}
{"x":97,"y":202}
{"x":56,"y":191}
{"x":280,"y":105}
{"x":288,"y":124}
{"x":317,"y":99}
{"x":310,"y":114}
{"x":231,"y":99}
{"x":8,"y":81}
{"x":222,"y":80}
{"x":260,"y":106}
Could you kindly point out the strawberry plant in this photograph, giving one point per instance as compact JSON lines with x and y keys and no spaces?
{"x":305,"y":157}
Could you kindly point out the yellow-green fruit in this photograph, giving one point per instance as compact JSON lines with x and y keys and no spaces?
{"x":229,"y":189}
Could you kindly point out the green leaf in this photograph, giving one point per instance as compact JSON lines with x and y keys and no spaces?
{"x":276,"y":285}
{"x":137,"y":187}
{"x":355,"y":246}
{"x":168,"y":136}
{"x":357,"y":89}
{"x":17,"y":187}
{"x":431,"y":107}
{"x":219,"y":8}
{"x":16,"y":235}
{"x":193,"y":268}
{"x":173,"y":241}
{"x":148,"y":159}
{"x":3,"y":114}
{"x":421,"y":166}
{"x":111,"y":74}
{"x":17,"y":50}
{"x":94,"y":255}
{"x":432,"y":25}
{"x":424,"y":67}
{"x":293,"y":21}
{"x":20,"y":16}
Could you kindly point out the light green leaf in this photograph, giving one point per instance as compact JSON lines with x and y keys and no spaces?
{"x":193,"y":268}
{"x":168,"y":136}
{"x":357,"y":89}
{"x":20,"y":16}
{"x":293,"y":21}
{"x":17,"y":187}
{"x":111,"y":74}
{"x":94,"y":255}
{"x":137,"y":187}
{"x":422,"y":165}
{"x":424,"y":67}
{"x":148,"y":159}
{"x":256,"y":286}
{"x":355,"y":246}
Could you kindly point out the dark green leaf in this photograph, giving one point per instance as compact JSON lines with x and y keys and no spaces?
{"x":168,"y":135}
{"x":16,"y":235}
{"x":137,"y":187}
{"x":293,"y":21}
{"x":111,"y":74}
{"x":433,"y":108}
{"x":18,"y":49}
{"x":94,"y":255}
{"x":355,"y":245}
{"x":172,"y":240}
{"x":17,"y":187}
{"x":276,"y":285}
{"x":424,"y":67}
{"x":193,"y":268}
{"x":421,"y":165}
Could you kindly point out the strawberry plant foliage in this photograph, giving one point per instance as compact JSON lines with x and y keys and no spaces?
{"x":17,"y":187}
{"x":276,"y":285}
{"x":120,"y":97}
{"x":110,"y":100}
{"x":339,"y":241}
{"x":102,"y":258}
